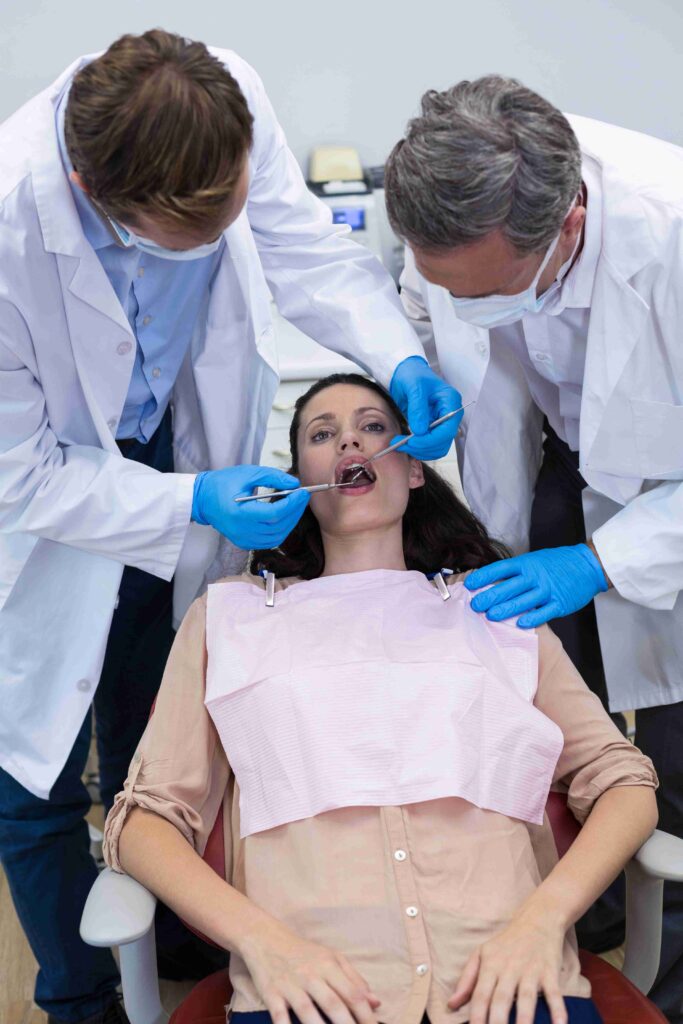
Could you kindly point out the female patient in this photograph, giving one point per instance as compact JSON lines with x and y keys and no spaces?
{"x":382,"y":756}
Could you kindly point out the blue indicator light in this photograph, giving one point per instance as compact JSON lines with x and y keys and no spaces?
{"x":354,"y":216}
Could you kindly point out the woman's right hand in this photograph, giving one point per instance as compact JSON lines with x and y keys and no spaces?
{"x":291,"y":973}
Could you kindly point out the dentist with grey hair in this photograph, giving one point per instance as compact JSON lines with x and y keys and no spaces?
{"x":544,"y":275}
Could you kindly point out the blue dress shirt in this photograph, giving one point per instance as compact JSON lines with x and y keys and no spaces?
{"x":161,"y":299}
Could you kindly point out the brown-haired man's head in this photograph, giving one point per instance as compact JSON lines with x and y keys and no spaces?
{"x":158,"y":132}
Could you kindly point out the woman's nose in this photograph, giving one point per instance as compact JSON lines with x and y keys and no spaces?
{"x":349,"y":440}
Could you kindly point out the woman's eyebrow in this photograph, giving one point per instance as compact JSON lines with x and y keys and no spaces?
{"x":322,"y":416}
{"x":332,"y":416}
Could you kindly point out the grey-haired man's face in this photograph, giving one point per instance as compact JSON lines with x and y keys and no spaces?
{"x":492,"y":265}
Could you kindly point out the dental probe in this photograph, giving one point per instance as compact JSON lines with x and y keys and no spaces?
{"x":311,"y":488}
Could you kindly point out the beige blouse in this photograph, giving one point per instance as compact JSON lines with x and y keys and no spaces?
{"x":407,"y":892}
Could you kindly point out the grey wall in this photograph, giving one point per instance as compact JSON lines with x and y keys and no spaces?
{"x":352,"y":72}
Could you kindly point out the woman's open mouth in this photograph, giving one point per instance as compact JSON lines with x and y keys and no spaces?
{"x":358,"y":476}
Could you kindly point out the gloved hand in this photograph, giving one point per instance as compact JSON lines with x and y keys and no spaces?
{"x":423,"y":397}
{"x":254,"y":524}
{"x":544,"y":584}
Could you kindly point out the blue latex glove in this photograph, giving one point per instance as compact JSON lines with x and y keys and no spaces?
{"x":254,"y":524}
{"x":423,"y":397}
{"x":543,"y":584}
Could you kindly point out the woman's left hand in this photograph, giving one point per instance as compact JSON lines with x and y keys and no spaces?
{"x":523,"y":960}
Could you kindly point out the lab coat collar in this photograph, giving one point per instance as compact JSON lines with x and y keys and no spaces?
{"x":93,"y":227}
{"x":577,"y":288}
{"x":628,"y":243}
{"x":59,"y":221}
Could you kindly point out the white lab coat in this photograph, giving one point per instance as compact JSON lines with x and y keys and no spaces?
{"x":73,"y":512}
{"x":631,"y":426}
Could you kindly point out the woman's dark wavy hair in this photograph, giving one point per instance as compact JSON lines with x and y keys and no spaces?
{"x":439,"y":532}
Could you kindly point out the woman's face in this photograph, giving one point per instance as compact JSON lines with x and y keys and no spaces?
{"x":341,"y":427}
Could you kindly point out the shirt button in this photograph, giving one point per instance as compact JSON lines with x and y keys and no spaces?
{"x":421,"y":969}
{"x":412,"y":911}
{"x":156,"y":372}
{"x":124,"y":347}
{"x":83,"y":684}
{"x":541,"y":356}
{"x":482,"y":348}
{"x":116,"y":602}
{"x":400,"y":855}
{"x":141,"y":271}
{"x":146,"y":320}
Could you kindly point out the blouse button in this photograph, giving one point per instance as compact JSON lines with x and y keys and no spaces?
{"x":400,"y":855}
{"x":421,"y":969}
{"x":412,"y":911}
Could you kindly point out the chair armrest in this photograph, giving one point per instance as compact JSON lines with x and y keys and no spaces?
{"x":662,"y":856}
{"x":118,"y":910}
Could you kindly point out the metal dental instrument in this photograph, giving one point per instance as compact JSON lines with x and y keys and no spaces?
{"x":311,"y":488}
{"x":314,"y":488}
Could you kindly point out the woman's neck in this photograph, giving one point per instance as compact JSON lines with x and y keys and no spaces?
{"x":358,"y":552}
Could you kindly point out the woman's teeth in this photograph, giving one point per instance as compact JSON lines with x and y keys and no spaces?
{"x":357,"y":474}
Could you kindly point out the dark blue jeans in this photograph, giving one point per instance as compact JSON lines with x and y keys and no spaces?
{"x":44,"y":844}
{"x":579,"y":1011}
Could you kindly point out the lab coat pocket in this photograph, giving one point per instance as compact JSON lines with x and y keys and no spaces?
{"x":658,"y":428}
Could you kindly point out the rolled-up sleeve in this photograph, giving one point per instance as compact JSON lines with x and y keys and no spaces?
{"x":595,"y":757}
{"x":179,"y":770}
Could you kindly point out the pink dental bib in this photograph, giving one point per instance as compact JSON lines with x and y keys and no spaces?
{"x":368,"y":689}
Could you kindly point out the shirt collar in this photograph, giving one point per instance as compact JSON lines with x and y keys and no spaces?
{"x":577,"y":287}
{"x":93,"y":228}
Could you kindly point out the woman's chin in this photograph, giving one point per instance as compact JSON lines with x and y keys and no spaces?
{"x":360,"y":517}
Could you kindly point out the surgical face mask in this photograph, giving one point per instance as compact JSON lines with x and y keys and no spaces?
{"x":128,"y":239}
{"x":499,"y":310}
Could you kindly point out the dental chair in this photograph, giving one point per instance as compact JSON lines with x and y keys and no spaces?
{"x":120,"y":912}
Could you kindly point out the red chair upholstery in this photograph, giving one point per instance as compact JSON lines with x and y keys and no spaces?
{"x":617,"y":999}
{"x":206,"y":1002}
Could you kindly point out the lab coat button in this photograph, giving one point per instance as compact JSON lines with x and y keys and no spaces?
{"x":541,"y":356}
{"x":112,"y":423}
{"x":83,"y":684}
{"x":124,"y":348}
{"x":421,"y":969}
{"x":482,"y":348}
{"x":412,"y":911}
{"x":400,"y":855}
{"x":116,"y":602}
